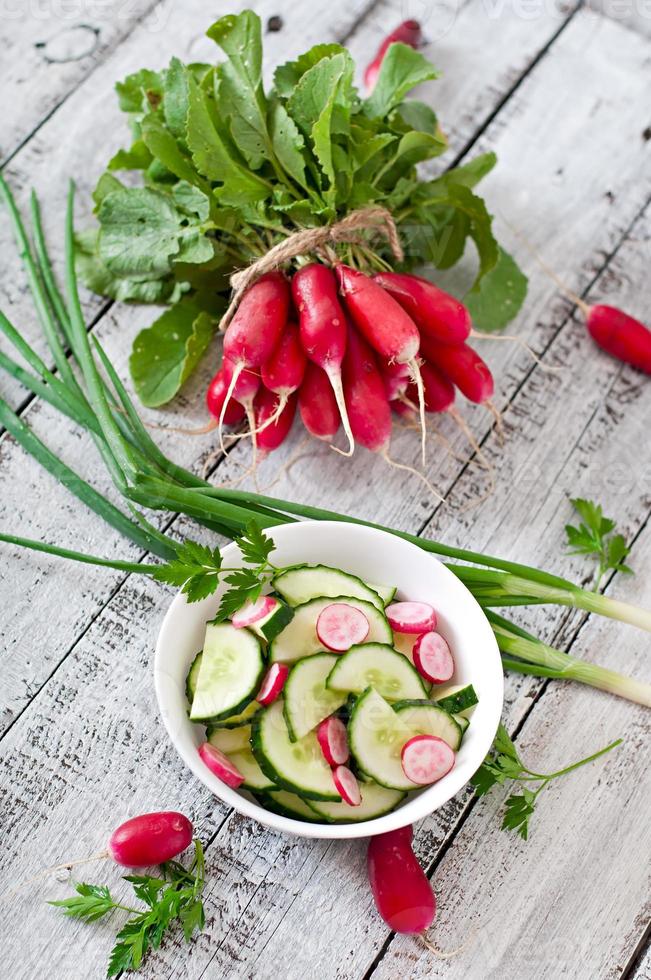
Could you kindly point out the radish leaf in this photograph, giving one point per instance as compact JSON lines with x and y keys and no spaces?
{"x":497,"y":296}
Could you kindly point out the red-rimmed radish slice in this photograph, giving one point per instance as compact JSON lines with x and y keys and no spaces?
{"x":220,"y":765}
{"x":432,"y":658}
{"x":426,"y":758}
{"x":411,"y":617}
{"x":333,"y":739}
{"x":272,"y":683}
{"x":251,"y":612}
{"x":340,"y":626}
{"x":347,"y":785}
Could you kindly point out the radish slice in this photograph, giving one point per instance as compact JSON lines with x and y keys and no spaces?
{"x":340,"y":626}
{"x":251,"y":612}
{"x":220,"y":765}
{"x":272,"y":683}
{"x":426,"y":758}
{"x":411,"y":617}
{"x":347,"y":785}
{"x":333,"y":739}
{"x":432,"y":658}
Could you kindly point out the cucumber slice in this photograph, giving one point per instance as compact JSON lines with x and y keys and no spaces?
{"x":288,"y":805}
{"x":191,"y":679}
{"x":463,"y":724}
{"x":304,"y":582}
{"x":457,"y":698}
{"x":377,"y":735}
{"x":299,"y":639}
{"x":428,"y":718}
{"x":273,"y":623}
{"x":307,"y":700}
{"x":387,"y":593}
{"x":231,"y":739}
{"x":376,"y":801}
{"x":296,"y":766}
{"x":230,"y":672}
{"x":234,"y":721}
{"x":404,"y":643}
{"x":379,"y":666}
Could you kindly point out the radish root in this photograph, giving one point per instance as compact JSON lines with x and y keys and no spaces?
{"x":411,"y":469}
{"x":422,"y":937}
{"x":334,"y":375}
{"x":415,"y":375}
{"x":465,"y":428}
{"x":521,"y":343}
{"x":497,"y":415}
{"x":229,"y":394}
{"x":64,"y":866}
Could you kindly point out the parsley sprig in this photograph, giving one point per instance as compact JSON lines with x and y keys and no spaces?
{"x":174,"y":897}
{"x":196,"y":569}
{"x":503,"y":763}
{"x":594,"y":538}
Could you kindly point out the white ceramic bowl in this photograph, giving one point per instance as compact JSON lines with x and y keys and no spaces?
{"x":375,"y":556}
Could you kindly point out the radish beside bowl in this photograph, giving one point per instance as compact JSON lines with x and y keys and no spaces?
{"x":378,"y":557}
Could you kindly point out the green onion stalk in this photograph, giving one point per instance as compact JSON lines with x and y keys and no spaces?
{"x":94,"y":397}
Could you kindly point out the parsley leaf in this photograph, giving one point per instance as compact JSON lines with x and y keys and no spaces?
{"x":246,"y":583}
{"x":255,"y":545}
{"x":595,"y":539}
{"x":503,"y":763}
{"x":196,"y":569}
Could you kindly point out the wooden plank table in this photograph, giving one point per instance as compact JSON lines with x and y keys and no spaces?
{"x":561,"y":93}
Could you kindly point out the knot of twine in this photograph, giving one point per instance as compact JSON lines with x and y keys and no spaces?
{"x":306,"y":240}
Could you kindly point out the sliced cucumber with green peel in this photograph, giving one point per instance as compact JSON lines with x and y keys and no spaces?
{"x":457,"y":698}
{"x":231,"y":739}
{"x":377,"y":735}
{"x":379,"y":666}
{"x":299,"y":639}
{"x":191,"y":679}
{"x":288,"y":805}
{"x":274,"y":622}
{"x":404,"y":644}
{"x":376,"y":801}
{"x":302,"y":583}
{"x":254,"y":777}
{"x":229,"y":674}
{"x":295,"y":766}
{"x":235,"y":720}
{"x":387,"y":593}
{"x":463,"y":724}
{"x":428,"y":718}
{"x":307,"y":700}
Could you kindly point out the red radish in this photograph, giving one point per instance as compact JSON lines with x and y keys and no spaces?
{"x":464,"y":367}
{"x":333,"y":740}
{"x":426,"y":759}
{"x":270,"y":433}
{"x":620,"y":335}
{"x":253,"y":334}
{"x":396,"y":379}
{"x":149,"y":839}
{"x":347,"y":786}
{"x":317,"y":404}
{"x":242,"y":387}
{"x":323,"y":328}
{"x":402,"y":892}
{"x":437,"y":315}
{"x":385,"y":325}
{"x":411,"y":617}
{"x":220,"y":765}
{"x":432,"y":658}
{"x":251,"y":612}
{"x":272,"y":683}
{"x":438,"y":390}
{"x":409,"y":32}
{"x":215,"y":398}
{"x":340,"y":626}
{"x":366,"y":400}
{"x":284,"y":370}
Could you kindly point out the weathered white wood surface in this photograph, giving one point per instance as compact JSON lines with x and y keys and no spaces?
{"x":574,"y":175}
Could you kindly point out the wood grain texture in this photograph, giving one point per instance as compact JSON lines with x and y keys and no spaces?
{"x":303,"y":908}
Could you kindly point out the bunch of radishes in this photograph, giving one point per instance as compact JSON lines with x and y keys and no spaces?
{"x":347,"y":348}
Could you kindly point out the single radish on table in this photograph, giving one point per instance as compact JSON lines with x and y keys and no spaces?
{"x":409,"y":32}
{"x":283,"y":372}
{"x":432,"y":658}
{"x":347,"y":785}
{"x":272,"y":684}
{"x":323,"y":328}
{"x":426,"y":759}
{"x":220,"y":765}
{"x":620,"y":335}
{"x":402,"y":891}
{"x":411,"y":617}
{"x":151,"y":838}
{"x":439,"y":316}
{"x":340,"y":626}
{"x":317,"y":404}
{"x":333,"y":739}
